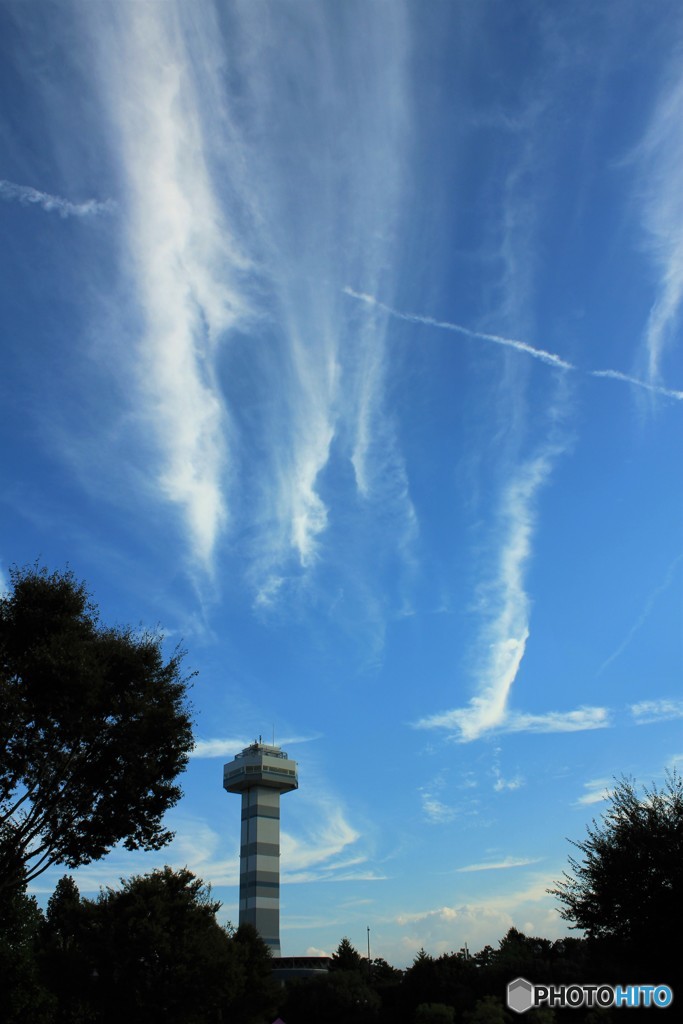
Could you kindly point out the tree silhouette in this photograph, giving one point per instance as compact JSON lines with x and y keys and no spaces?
{"x":158,"y":954}
{"x":346,"y":957}
{"x":94,"y":729}
{"x":626,"y":892}
{"x":23,"y":997}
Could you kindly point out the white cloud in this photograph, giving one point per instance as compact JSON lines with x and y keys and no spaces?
{"x":597,"y":790}
{"x":326,"y":837}
{"x":660,"y":158}
{"x":476,"y":922}
{"x":504,"y":637}
{"x":433,"y":807}
{"x":436,"y":811}
{"x":508,"y":862}
{"x":577,"y":720}
{"x":185,"y":262}
{"x":655,"y":389}
{"x":333,"y":205}
{"x":26,"y":195}
{"x":196,"y":845}
{"x":648,"y":711}
{"x":268,"y":591}
{"x":645,"y":614}
{"x":512,"y":343}
{"x":326,"y":846}
{"x":502,"y":784}
{"x":229,"y":746}
{"x":317,"y":951}
{"x":550,"y":358}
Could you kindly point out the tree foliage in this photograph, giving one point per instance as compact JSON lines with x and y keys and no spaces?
{"x":346,"y":957}
{"x":255,"y":996}
{"x":627,"y":889}
{"x":94,"y":729}
{"x":147,"y":952}
{"x":157,"y":951}
{"x":488,"y":1010}
{"x":339,"y":997}
{"x":66,"y":954}
{"x":434,"y":1013}
{"x":23,"y":997}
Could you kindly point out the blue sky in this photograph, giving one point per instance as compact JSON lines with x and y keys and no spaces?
{"x":342,"y":341}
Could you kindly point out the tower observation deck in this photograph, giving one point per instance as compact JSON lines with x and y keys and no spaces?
{"x":261,"y":773}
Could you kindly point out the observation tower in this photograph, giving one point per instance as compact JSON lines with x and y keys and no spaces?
{"x":260,"y":773}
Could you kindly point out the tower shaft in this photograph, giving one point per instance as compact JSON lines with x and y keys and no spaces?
{"x":260,"y":863}
{"x":261,"y":773}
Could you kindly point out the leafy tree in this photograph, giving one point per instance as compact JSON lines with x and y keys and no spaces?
{"x":63,"y":914}
{"x":386,"y":981}
{"x":65,"y":955}
{"x":488,"y":1010}
{"x":340,"y":997}
{"x":23,"y":997}
{"x":383,"y":973}
{"x":256,"y":995}
{"x":485,"y":957}
{"x":420,"y":981}
{"x":627,"y":890}
{"x":94,"y":729}
{"x":434,"y":1013}
{"x":346,"y":957}
{"x":158,"y":953}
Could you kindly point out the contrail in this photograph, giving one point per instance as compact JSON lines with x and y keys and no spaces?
{"x":616,"y":375}
{"x":519,"y":346}
{"x":25,"y":194}
{"x":445,"y":325}
{"x":649,"y":605}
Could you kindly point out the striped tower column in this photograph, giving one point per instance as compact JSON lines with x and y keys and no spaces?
{"x":261,"y":773}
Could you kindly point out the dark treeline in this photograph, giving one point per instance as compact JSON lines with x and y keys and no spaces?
{"x":152,"y":951}
{"x":149,"y":951}
{"x":456,"y":987}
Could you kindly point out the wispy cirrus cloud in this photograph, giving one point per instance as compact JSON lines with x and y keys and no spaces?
{"x":655,"y":389}
{"x":26,"y":195}
{"x":501,"y":784}
{"x":511,"y":343}
{"x":184,"y":257}
{"x":523,"y":347}
{"x":232,"y":229}
{"x":597,"y":790}
{"x":576,"y":720}
{"x":327,"y":847}
{"x":435,"y":810}
{"x":645,"y":712}
{"x":501,"y":865}
{"x":659,"y":158}
{"x":229,"y":746}
{"x":329,"y":406}
{"x":645,"y":614}
{"x":505,"y":635}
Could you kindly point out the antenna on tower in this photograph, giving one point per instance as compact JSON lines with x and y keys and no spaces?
{"x":273,"y":734}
